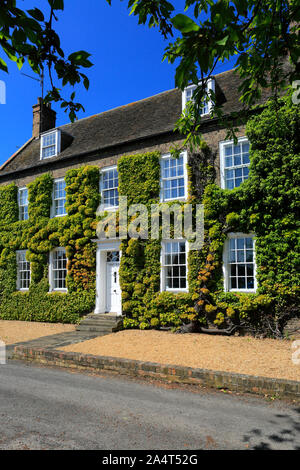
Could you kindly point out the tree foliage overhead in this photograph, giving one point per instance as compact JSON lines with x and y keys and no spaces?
{"x":30,"y":36}
{"x":260,"y":33}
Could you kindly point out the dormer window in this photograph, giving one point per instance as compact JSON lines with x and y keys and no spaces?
{"x":188,"y":92}
{"x":50,"y":144}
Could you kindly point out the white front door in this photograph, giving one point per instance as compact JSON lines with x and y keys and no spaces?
{"x":113,"y":290}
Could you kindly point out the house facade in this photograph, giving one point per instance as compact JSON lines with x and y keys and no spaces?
{"x":51,"y":258}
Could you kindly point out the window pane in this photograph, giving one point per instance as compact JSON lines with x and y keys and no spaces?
{"x":228,"y":150}
{"x":228,"y":162}
{"x":241,"y":270}
{"x":113,"y":256}
{"x":237,"y":160}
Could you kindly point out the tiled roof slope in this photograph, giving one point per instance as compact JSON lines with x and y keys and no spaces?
{"x":148,"y":117}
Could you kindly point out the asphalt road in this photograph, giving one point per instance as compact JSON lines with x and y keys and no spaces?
{"x":44,"y":408}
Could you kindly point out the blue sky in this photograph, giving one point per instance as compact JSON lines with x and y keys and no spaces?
{"x":127,"y":67}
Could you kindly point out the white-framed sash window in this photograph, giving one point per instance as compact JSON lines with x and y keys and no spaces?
{"x":50,"y":144}
{"x":23,"y":203}
{"x":59,"y":198}
{"x":58,"y":270}
{"x":173,"y":177}
{"x":174,"y":269}
{"x":234,"y":162}
{"x":239,"y":263}
{"x":109,"y":184}
{"x":23,"y":271}
{"x":187,"y":95}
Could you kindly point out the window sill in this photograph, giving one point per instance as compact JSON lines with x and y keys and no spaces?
{"x":55,"y":291}
{"x":179,"y":199}
{"x":176,"y":291}
{"x":59,"y":215}
{"x":111,"y":209}
{"x":242,"y":291}
{"x":47,"y":158}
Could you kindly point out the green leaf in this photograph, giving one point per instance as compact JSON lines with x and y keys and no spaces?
{"x":86,"y":81}
{"x":80,"y":58}
{"x":56,"y":4}
{"x":223,"y":41}
{"x":184,"y":24}
{"x":20,"y":62}
{"x":3,"y":65}
{"x":36,"y":14}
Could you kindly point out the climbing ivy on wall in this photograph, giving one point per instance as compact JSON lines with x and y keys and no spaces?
{"x":139,"y":177}
{"x":143,"y":303}
{"x":266,"y":204}
{"x":41,"y":234}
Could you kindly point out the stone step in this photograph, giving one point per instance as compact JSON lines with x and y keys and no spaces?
{"x":101,"y":324}
{"x":99,"y":329}
{"x":103,"y":316}
{"x":98,"y":322}
{"x":108,"y":321}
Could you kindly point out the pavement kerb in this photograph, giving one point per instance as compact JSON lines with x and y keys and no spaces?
{"x":170,"y":373}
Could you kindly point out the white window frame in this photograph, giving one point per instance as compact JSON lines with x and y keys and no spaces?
{"x":185,"y":177}
{"x":102,"y":171}
{"x":163,"y":287}
{"x":51,"y":271}
{"x":23,"y":205}
{"x":210,"y":87}
{"x":222,"y":146}
{"x":57,"y":143}
{"x":53,"y":215}
{"x":226,"y":262}
{"x":19,"y":288}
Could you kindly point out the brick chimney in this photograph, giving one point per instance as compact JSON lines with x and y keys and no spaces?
{"x":44,"y":118}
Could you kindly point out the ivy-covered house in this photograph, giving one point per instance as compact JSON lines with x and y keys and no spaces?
{"x":53,"y":267}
